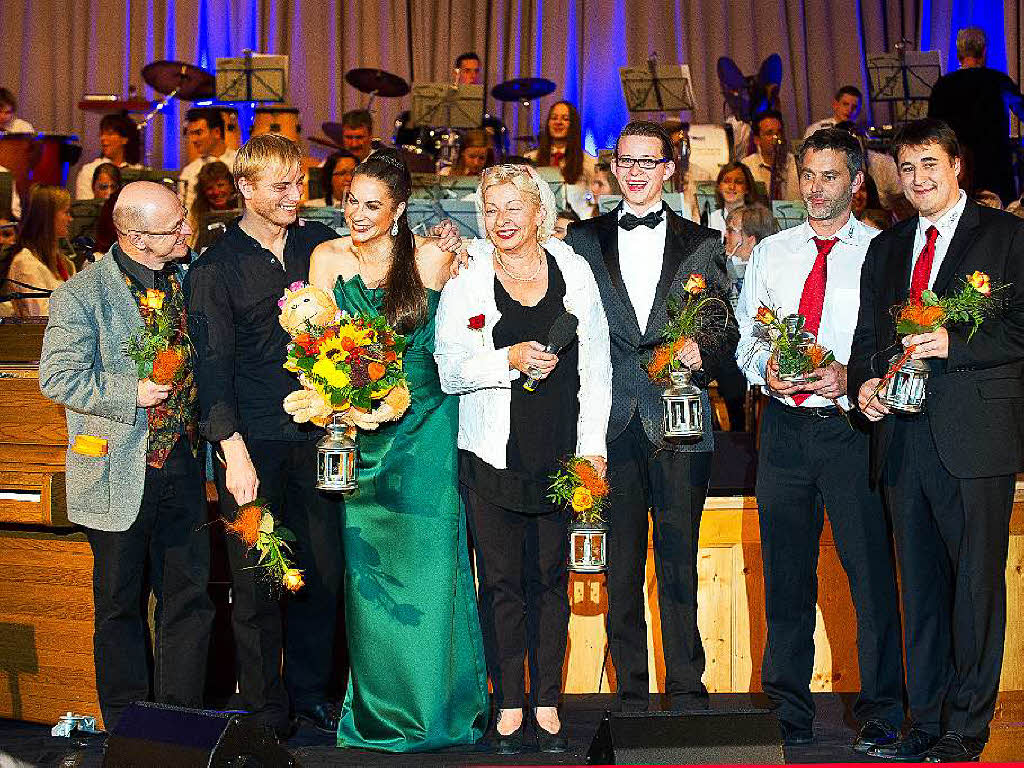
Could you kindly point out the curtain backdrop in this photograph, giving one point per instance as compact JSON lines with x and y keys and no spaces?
{"x":58,"y":50}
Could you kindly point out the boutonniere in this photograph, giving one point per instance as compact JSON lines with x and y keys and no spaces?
{"x":476,"y":323}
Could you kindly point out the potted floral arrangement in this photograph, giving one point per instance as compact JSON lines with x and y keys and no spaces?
{"x":578,"y":486}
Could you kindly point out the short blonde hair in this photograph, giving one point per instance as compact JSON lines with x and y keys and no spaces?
{"x":262,"y":151}
{"x":525,"y":179}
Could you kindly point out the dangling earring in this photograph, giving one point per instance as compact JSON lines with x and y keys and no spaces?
{"x":394,"y":229}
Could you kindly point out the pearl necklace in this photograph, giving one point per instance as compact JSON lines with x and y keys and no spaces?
{"x":530,"y":279}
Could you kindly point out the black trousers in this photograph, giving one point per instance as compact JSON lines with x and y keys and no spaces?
{"x":673,"y":485}
{"x":521,"y":568}
{"x":952,"y":536}
{"x":170,"y":536}
{"x":807,"y":465}
{"x":287,"y":475}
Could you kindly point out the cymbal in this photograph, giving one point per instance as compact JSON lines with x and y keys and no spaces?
{"x":330,"y":144}
{"x":523,"y":89}
{"x":113,"y":104}
{"x":192,"y":82}
{"x":377,"y":82}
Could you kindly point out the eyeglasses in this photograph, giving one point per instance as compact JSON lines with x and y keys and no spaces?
{"x":176,"y":230}
{"x":646,"y":163}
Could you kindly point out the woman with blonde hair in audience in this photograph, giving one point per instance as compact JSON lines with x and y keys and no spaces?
{"x":561,"y":146}
{"x":37,"y":263}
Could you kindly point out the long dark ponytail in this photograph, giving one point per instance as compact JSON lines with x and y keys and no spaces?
{"x":405,"y":297}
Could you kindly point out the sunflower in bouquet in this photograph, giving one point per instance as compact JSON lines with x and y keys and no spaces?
{"x":346,"y":363}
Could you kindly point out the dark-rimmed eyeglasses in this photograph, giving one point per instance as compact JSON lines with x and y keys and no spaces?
{"x":645,"y":163}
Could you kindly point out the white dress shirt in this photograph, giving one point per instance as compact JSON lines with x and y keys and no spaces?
{"x":469,"y":365}
{"x":190,"y":173}
{"x":775,"y":276}
{"x":641,"y":254}
{"x":716,"y":221}
{"x":17,"y":125}
{"x":790,"y":187}
{"x":83,"y":182}
{"x":946,"y":224}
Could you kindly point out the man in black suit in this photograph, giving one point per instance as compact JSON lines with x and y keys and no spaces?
{"x":641,"y":253}
{"x":947,"y":473}
{"x":974,"y":101}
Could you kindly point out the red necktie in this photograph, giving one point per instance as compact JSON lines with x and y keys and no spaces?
{"x":812,"y":300}
{"x":923,"y":266}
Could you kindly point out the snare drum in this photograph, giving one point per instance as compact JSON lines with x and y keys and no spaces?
{"x":282,"y":120}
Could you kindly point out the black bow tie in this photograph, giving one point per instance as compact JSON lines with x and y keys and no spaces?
{"x":629,"y":222}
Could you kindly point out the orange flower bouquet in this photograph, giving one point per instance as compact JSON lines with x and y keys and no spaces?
{"x":254,"y":525}
{"x":690,"y":319}
{"x":161,"y":346}
{"x":579,"y":487}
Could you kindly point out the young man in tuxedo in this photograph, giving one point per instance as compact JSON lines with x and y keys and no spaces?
{"x":948,"y":472}
{"x":809,"y":453}
{"x":641,"y":253}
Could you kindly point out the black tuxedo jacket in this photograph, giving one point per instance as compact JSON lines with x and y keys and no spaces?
{"x":975,"y":398}
{"x":689,"y":248}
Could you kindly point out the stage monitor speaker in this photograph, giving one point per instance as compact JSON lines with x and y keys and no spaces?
{"x":673,"y":738}
{"x":149,"y":735}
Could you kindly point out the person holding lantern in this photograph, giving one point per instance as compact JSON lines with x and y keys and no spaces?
{"x":948,"y":472}
{"x":495,"y":323}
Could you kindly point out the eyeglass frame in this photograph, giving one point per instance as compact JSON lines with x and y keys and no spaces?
{"x":176,"y":231}
{"x":638,"y":162}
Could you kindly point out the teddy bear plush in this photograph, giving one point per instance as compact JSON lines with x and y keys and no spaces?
{"x":303,"y":306}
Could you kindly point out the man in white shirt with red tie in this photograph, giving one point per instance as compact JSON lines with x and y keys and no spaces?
{"x":813,"y":457}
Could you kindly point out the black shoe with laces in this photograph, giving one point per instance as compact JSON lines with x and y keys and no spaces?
{"x":876,"y":733}
{"x":954,"y":747}
{"x":911,"y":748}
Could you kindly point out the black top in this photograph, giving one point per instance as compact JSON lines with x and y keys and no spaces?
{"x":148,"y":278}
{"x":543,"y":422}
{"x":974,"y":102}
{"x":233,"y":290}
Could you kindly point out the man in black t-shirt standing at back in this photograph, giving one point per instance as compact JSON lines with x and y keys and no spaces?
{"x":975,"y":102}
{"x":240,"y":347}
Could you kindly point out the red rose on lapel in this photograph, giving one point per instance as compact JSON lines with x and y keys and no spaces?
{"x":476,"y":323}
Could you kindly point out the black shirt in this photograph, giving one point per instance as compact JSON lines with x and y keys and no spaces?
{"x":149,"y":279}
{"x":233,"y":289}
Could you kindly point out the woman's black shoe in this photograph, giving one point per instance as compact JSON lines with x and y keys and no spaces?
{"x":511,"y":744}
{"x":552,"y":742}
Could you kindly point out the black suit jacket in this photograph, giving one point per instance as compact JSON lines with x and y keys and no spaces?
{"x":975,"y":398}
{"x":689,"y":248}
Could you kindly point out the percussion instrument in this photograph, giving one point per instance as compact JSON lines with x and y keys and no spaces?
{"x":524,"y":89}
{"x":176,"y":78}
{"x":104,"y":104}
{"x":377,"y":82}
{"x":276,"y":119}
{"x":38,"y":158}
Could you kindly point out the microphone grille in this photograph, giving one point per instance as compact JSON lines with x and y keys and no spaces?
{"x":562,"y":330}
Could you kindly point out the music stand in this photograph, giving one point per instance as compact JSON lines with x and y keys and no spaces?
{"x":453,"y":106}
{"x":706,"y":198}
{"x":84,"y":216}
{"x":553,"y":177}
{"x":330,"y":216}
{"x":423,"y":214}
{"x":213,"y":225}
{"x":904,"y":79}
{"x":789,"y":213}
{"x":656,"y":87}
{"x":253,"y":77}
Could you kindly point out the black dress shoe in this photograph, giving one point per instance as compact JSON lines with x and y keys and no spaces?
{"x":954,"y":747}
{"x":552,"y":742}
{"x":509,"y":744}
{"x":324,"y":717}
{"x":876,"y":733}
{"x":797,"y":738}
{"x":911,"y":748}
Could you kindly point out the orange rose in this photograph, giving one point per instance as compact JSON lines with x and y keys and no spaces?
{"x":765,"y":316}
{"x":292,"y":580}
{"x":980,"y":282}
{"x":816,"y":353}
{"x":582,"y":500}
{"x":153,"y":300}
{"x":695,"y":284}
{"x":390,"y":357}
{"x":375,"y":371}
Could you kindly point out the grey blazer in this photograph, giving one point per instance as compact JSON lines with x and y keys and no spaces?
{"x":84,"y":368}
{"x":689,"y":248}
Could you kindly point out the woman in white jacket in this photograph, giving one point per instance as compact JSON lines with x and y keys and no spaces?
{"x":492,"y":327}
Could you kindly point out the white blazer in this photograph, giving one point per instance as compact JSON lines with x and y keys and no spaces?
{"x":470,"y":366}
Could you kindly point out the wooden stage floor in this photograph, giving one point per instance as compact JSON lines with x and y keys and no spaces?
{"x":32,"y":744}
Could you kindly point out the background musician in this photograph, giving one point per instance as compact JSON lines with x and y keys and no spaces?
{"x":467,"y":68}
{"x":338,"y":169}
{"x":561,"y":146}
{"x":205,"y":131}
{"x":9,"y":121}
{"x":357,"y":133}
{"x":119,"y":145}
{"x":769,"y":137}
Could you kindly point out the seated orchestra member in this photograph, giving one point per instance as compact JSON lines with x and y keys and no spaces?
{"x":734,"y":188}
{"x":337,"y":178}
{"x":357,"y":133}
{"x":561,"y":146}
{"x":215,"y":191}
{"x":511,"y":440}
{"x":845,"y":108}
{"x":205,"y":131}
{"x":812,"y":451}
{"x":9,"y":121}
{"x":565,"y":217}
{"x":467,"y":68}
{"x":106,"y":180}
{"x":769,"y":134}
{"x":36,"y":259}
{"x":119,"y":145}
{"x":143,"y":503}
{"x":475,"y":154}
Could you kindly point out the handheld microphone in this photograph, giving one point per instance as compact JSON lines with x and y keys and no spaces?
{"x":561,"y":333}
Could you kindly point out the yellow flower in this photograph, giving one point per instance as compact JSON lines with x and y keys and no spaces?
{"x":153,"y":300}
{"x":326,"y":370}
{"x":765,"y":316}
{"x":292,"y":580}
{"x":980,"y":282}
{"x":695,"y":283}
{"x":360,"y":337}
{"x":582,"y":499}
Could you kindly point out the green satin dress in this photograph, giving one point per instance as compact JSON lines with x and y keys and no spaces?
{"x":418,"y":680}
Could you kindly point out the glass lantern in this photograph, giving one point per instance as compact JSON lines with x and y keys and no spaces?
{"x":905,"y":391}
{"x":802,"y":341}
{"x":336,"y":460}
{"x":684,"y":412}
{"x":587,"y":552}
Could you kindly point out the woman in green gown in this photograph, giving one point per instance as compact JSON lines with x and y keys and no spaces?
{"x":418,"y":680}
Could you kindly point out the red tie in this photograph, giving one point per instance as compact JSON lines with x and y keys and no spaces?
{"x":812,"y":300}
{"x":923,"y":266}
